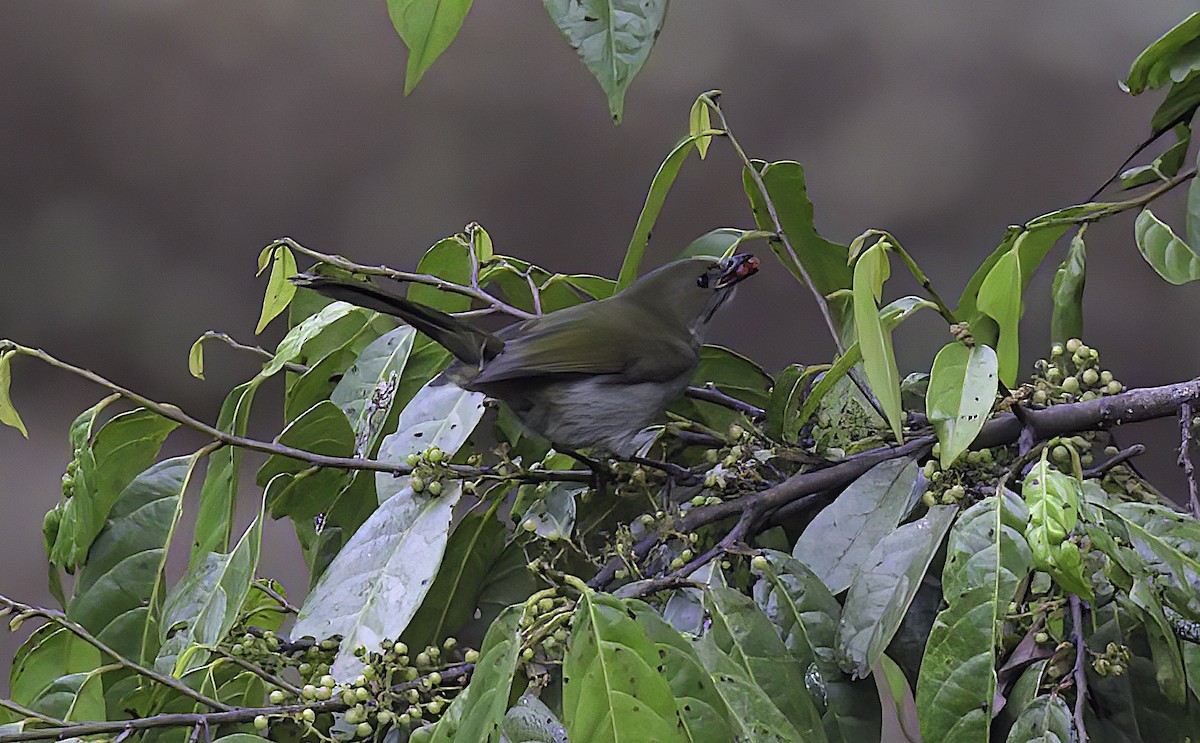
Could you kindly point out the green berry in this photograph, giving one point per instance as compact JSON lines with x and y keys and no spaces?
{"x":308,"y":715}
{"x":1074,"y":345}
{"x":362,"y":694}
{"x":1090,"y":377}
{"x":435,"y":488}
{"x":383,"y":717}
{"x":1114,"y":387}
{"x":328,"y":681}
{"x":260,"y":722}
{"x":1070,"y":385}
{"x":471,"y":656}
{"x":529,"y":525}
{"x":422,"y":659}
{"x":759,"y":563}
{"x":1041,"y":638}
{"x":413,"y":460}
{"x":324,"y":692}
{"x":434,"y":454}
{"x":277,"y":696}
{"x":1106,"y":377}
{"x":435,"y":678}
{"x":400,"y":648}
{"x":416,"y":483}
{"x":362,"y":730}
{"x":1056,"y":350}
{"x":449,"y":643}
{"x":309,"y":691}
{"x":527,"y":654}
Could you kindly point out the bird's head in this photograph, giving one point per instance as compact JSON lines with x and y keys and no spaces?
{"x":692,"y":289}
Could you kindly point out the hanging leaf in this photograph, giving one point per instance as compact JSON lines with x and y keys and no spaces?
{"x":427,"y":28}
{"x":1172,"y":258}
{"x":986,"y":559}
{"x":448,"y":259}
{"x":1000,"y":299}
{"x":699,"y":122}
{"x":839,"y":540}
{"x":1066,"y":319}
{"x":753,"y":713}
{"x":962,"y":390}
{"x":884,"y":587}
{"x":279,"y":290}
{"x":218,"y":495}
{"x":879,"y":359}
{"x":1047,"y":719}
{"x":51,"y":653}
{"x":8,"y":414}
{"x":612,"y":37}
{"x":1155,"y":66}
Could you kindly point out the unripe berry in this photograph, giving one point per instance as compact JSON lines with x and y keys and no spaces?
{"x":260,"y":722}
{"x":1074,"y":345}
{"x":308,"y":715}
{"x":434,"y":454}
{"x":435,"y":488}
{"x":363,"y":730}
{"x":471,"y":656}
{"x":416,"y":483}
{"x":309,"y":691}
{"x":759,"y":563}
{"x":1071,"y":385}
{"x":277,"y":696}
{"x":529,"y":525}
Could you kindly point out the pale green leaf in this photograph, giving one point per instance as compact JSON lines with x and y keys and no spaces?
{"x":1155,"y":66}
{"x":427,"y":28}
{"x":879,"y":359}
{"x":279,"y":289}
{"x":962,"y":390}
{"x":1172,"y":258}
{"x":1000,"y":299}
{"x":699,"y":122}
{"x":1047,"y":719}
{"x":8,"y":414}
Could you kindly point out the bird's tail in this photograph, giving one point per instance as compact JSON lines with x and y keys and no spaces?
{"x":466,"y":342}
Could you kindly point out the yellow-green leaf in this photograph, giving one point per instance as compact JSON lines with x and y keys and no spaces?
{"x":196,"y":359}
{"x":8,"y":414}
{"x":879,"y":360}
{"x":427,"y":28}
{"x":962,"y":388}
{"x":1171,"y":257}
{"x":699,"y":122}
{"x":1000,"y":299}
{"x":279,"y":290}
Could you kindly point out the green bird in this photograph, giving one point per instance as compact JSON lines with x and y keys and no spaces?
{"x":587,"y":377}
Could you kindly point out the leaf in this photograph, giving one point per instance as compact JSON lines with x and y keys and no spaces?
{"x":699,"y":122}
{"x":1164,"y":649}
{"x":1053,"y":500}
{"x":552,"y":513}
{"x":1192,"y":220}
{"x":962,"y":390}
{"x":806,"y":615}
{"x":657,"y":195}
{"x":731,"y":373}
{"x":196,"y":358}
{"x":471,"y":550}
{"x":783,"y":407}
{"x":74,"y":698}
{"x":701,"y":710}
{"x":279,"y":289}
{"x":448,"y":259}
{"x":107,"y":461}
{"x":322,"y":429}
{"x":8,"y":414}
{"x":714,"y":243}
{"x":1153,"y":68}
{"x":879,"y":359}
{"x":892,"y":685}
{"x":986,"y":560}
{"x":1066,"y":320}
{"x":477,"y":712}
{"x":612,"y":37}
{"x":531,"y":721}
{"x":840,"y":539}
{"x":1000,"y":299}
{"x":1172,"y":258}
{"x":612,"y":689}
{"x":324,"y":374}
{"x":427,"y":28}
{"x":203,"y":606}
{"x":826,"y":262}
{"x":293,"y":344}
{"x":377,"y":582}
{"x":752,"y":711}
{"x":885,"y":586}
{"x":1047,"y":719}
{"x":440,"y":415}
{"x":218,"y":495}
{"x":368,"y":389}
{"x":48,"y":654}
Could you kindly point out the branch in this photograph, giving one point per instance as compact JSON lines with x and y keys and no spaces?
{"x":210,"y":719}
{"x":1116,"y":207}
{"x":1105,"y":412}
{"x":257,"y":350}
{"x":717,"y":397}
{"x":474,"y":292}
{"x":25,"y":610}
{"x":173,"y":413}
{"x":1080,"y":661}
{"x":1186,"y":412}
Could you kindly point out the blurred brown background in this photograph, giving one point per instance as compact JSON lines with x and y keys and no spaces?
{"x":150,"y":148}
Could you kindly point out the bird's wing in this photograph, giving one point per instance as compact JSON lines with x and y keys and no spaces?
{"x":550,"y":345}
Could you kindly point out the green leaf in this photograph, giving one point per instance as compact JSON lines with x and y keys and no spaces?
{"x":783,"y":407}
{"x":377,"y":582}
{"x":74,"y":698}
{"x":367,"y":391}
{"x":8,"y":414}
{"x":986,"y":560}
{"x":1164,"y":649}
{"x":427,"y":28}
{"x":218,"y":495}
{"x":531,"y":721}
{"x":884,"y":587}
{"x":294,"y":343}
{"x":279,"y":290}
{"x":1178,"y":106}
{"x":962,"y":390}
{"x":752,"y":711}
{"x":322,"y":429}
{"x":1053,"y":500}
{"x":477,"y":712}
{"x":806,"y":616}
{"x":107,"y":461}
{"x":473,"y":547}
{"x":1000,"y":299}
{"x":701,"y":710}
{"x":612,"y":689}
{"x":1155,"y":66}
{"x":196,"y":359}
{"x":1047,"y":719}
{"x":612,"y":37}
{"x":1066,"y":320}
{"x":742,"y":632}
{"x":123,"y":574}
{"x":714,"y":243}
{"x":441,"y":415}
{"x":839,"y":540}
{"x":655,"y":198}
{"x":879,"y":359}
{"x":1192,"y":221}
{"x":203,"y":606}
{"x":448,"y":259}
{"x":731,"y":373}
{"x":699,"y":122}
{"x":50,"y":653}
{"x":1172,"y":258}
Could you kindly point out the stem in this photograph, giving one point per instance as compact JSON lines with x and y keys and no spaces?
{"x":717,"y":397}
{"x":473,"y":292}
{"x":61,"y":620}
{"x":258,"y":350}
{"x":259,"y":671}
{"x":822,"y":305}
{"x":1080,"y":661}
{"x":1116,"y":207}
{"x":1186,"y":411}
{"x":171,"y":412}
{"x":26,"y":712}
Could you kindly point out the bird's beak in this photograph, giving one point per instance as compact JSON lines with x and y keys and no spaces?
{"x":735,"y":268}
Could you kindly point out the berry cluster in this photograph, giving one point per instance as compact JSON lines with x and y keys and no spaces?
{"x":1072,"y":374}
{"x":971,"y":477}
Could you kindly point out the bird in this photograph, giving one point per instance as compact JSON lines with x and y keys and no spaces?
{"x":589,"y":377}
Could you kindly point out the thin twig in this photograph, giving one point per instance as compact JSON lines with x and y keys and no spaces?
{"x":259,"y":671}
{"x":279,"y":598}
{"x":1080,"y":661}
{"x":717,"y":397}
{"x":1124,"y":455}
{"x":1186,"y":412}
{"x":57,"y":617}
{"x":258,"y":350}
{"x":26,"y":712}
{"x":171,"y":412}
{"x":473,"y":292}
{"x":1116,"y":207}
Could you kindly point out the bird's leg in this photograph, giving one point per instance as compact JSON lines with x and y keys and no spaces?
{"x":682,"y":475}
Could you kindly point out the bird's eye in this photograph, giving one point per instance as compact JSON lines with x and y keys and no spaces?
{"x":702,"y":282}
